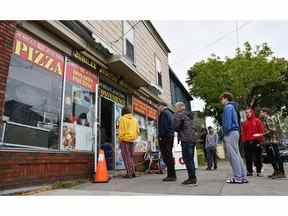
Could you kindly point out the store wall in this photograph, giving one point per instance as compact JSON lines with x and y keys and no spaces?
{"x":7,"y":31}
{"x":18,"y":169}
{"x":146,"y":48}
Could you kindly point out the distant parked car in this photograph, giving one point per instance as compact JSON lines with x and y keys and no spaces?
{"x":283,"y":148}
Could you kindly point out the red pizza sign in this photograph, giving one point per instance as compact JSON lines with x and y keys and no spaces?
{"x":29,"y":49}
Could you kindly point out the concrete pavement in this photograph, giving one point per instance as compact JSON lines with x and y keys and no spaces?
{"x":210,"y":183}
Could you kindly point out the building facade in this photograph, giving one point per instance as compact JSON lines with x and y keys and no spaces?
{"x":178,"y":91}
{"x":62,"y":88}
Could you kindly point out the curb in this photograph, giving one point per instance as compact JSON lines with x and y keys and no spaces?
{"x":25,"y":191}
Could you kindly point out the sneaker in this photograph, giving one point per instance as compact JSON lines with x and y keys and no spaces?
{"x":208,"y":168}
{"x":169,"y":179}
{"x":244,"y":180}
{"x":279,"y":175}
{"x":272,"y":175}
{"x":190,"y":181}
{"x":260,"y":175}
{"x":127,"y":176}
{"x":235,"y":181}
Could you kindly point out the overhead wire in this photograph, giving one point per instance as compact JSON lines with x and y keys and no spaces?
{"x":216,"y":40}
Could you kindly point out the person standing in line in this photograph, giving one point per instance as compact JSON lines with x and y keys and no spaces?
{"x":203,"y":134}
{"x":210,"y":145}
{"x":230,"y":128}
{"x":166,"y":140}
{"x":183,"y":124}
{"x":271,"y":140}
{"x":252,"y":137}
{"x":128,"y":133}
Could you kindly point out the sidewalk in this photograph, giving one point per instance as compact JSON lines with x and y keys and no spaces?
{"x":210,"y":183}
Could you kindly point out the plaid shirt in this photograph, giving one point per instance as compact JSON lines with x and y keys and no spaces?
{"x":270,"y":134}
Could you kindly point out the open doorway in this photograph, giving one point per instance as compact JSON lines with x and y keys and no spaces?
{"x":107,"y":132}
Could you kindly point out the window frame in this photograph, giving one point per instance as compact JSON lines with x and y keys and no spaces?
{"x":159,"y":84}
{"x":23,"y":147}
{"x":124,"y":41}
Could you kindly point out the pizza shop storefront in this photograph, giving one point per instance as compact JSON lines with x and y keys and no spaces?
{"x":49,"y":119}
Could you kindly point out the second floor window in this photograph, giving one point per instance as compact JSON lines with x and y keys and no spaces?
{"x":158,"y":71}
{"x":128,"y":37}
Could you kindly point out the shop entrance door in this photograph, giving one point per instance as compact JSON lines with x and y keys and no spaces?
{"x":107,"y":130}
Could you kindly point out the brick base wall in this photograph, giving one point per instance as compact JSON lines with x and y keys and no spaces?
{"x":7,"y":32}
{"x":18,"y":169}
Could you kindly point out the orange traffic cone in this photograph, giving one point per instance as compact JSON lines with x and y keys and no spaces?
{"x":101,"y":175}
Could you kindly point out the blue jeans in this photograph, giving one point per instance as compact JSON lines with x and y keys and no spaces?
{"x":188,"y":158}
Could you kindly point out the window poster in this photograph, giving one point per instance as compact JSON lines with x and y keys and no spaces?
{"x":77,"y":137}
{"x":177,"y":153}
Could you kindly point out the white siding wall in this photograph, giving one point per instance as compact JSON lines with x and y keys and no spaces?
{"x":146,"y":47}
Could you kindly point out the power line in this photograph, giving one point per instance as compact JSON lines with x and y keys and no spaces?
{"x":237,"y":34}
{"x":218,"y":39}
{"x":222,"y":37}
{"x":121,"y":37}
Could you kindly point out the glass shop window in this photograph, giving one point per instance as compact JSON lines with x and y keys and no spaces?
{"x":33,"y":99}
{"x":79,"y":109}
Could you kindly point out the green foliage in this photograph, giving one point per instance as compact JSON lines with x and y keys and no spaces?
{"x":248,"y":75}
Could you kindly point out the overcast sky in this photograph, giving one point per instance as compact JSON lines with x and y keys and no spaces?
{"x":191,"y":41}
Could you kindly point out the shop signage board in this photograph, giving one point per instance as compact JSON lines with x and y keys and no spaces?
{"x":112,"y":94}
{"x":31,"y":50}
{"x":144,"y":109}
{"x":84,"y":59}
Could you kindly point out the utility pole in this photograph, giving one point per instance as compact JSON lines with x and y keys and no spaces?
{"x":237,"y":34}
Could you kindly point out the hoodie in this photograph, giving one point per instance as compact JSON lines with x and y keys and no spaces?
{"x":183,"y":124}
{"x":230,"y":120}
{"x":251,"y":126}
{"x":128,"y":128}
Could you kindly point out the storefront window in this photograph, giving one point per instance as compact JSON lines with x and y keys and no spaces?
{"x":79,"y":109}
{"x":33,"y":95}
{"x":146,"y":116}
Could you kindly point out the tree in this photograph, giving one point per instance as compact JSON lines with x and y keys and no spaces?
{"x":249,"y":74}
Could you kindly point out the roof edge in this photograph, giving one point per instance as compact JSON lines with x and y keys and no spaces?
{"x":158,"y":36}
{"x":181,"y":85}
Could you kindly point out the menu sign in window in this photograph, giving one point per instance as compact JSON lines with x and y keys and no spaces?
{"x":81,"y":76}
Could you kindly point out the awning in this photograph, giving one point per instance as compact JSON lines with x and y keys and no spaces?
{"x":122,"y":67}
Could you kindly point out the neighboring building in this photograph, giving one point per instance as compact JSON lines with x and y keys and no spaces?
{"x":62,"y":88}
{"x":178,"y":91}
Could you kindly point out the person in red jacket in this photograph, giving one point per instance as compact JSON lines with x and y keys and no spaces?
{"x":252,"y":136}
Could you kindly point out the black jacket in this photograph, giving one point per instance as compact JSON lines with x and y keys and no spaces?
{"x":165,"y":124}
{"x":183,"y":124}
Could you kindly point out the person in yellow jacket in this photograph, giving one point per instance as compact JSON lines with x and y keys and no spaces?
{"x":128,"y":133}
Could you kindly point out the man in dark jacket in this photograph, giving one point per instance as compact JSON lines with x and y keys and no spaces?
{"x":166,"y":138}
{"x":184,"y":126}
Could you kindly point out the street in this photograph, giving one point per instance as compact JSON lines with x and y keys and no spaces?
{"x":210,"y":183}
